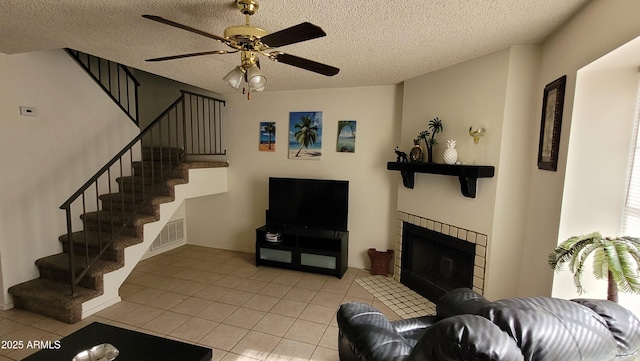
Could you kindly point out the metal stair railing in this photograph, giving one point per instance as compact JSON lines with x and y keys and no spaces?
{"x":192,"y":125}
{"x":115,"y":79}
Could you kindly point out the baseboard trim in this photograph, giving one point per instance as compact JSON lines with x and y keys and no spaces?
{"x":100,"y":307}
{"x":6,"y":306}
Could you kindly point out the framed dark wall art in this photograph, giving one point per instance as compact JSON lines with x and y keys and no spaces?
{"x":552,"y":104}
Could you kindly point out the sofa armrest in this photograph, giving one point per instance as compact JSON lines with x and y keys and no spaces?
{"x":460,"y":301}
{"x":623,"y":325}
{"x":369,"y":335}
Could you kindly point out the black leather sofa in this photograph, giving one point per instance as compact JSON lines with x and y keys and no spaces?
{"x":469,"y":327}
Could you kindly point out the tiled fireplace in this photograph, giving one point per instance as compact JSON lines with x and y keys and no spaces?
{"x":471,"y":246}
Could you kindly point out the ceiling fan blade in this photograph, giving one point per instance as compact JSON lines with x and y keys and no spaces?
{"x":295,"y":34}
{"x":187,"y":28}
{"x":190,"y":55}
{"x":306,"y":64}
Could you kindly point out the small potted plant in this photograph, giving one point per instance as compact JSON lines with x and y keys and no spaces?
{"x":617,"y":259}
{"x":435,"y":126}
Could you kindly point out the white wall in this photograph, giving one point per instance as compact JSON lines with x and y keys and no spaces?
{"x":512,"y":176}
{"x":599,"y":150}
{"x":496,"y":90}
{"x":470,"y":92}
{"x":76,"y":131}
{"x":157,"y":93}
{"x":229,"y":220}
{"x":600,"y":28}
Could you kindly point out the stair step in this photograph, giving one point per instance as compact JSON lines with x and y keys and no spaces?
{"x":165,"y":153}
{"x":93,"y":238}
{"x":56,"y":268}
{"x":51,"y":299}
{"x":205,"y":164}
{"x":106,"y":218}
{"x":156,"y":167}
{"x":147,"y":186}
{"x":127,"y":224}
{"x":128,"y":203}
{"x":60,"y":262}
{"x":50,"y":295}
{"x":117,"y":199}
{"x":94,"y":242}
{"x":158,"y":180}
{"x":179,"y":170}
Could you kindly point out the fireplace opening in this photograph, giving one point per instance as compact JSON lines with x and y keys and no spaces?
{"x":434,"y":263}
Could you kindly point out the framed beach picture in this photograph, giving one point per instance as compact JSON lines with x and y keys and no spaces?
{"x":346,"y":142}
{"x":552,"y":104}
{"x":305,"y":135}
{"x":267,"y":137}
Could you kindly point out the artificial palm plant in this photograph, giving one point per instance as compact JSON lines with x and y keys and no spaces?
{"x":617,"y":258}
{"x":435,"y":126}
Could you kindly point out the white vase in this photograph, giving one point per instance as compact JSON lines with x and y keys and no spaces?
{"x":450,"y":154}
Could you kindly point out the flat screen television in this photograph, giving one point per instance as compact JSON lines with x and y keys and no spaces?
{"x":308,"y":203}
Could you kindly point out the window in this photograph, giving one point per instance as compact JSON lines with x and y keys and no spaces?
{"x":631,"y":211}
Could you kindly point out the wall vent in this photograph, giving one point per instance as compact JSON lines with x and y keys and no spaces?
{"x":172,"y":233}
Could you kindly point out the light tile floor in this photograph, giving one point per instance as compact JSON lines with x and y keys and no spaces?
{"x":218,"y":299}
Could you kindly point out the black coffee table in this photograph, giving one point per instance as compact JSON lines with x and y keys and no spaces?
{"x":133,"y":346}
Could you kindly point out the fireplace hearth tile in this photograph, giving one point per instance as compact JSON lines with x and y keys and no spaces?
{"x":398,"y":297}
{"x":471,"y":237}
{"x":482,"y":240}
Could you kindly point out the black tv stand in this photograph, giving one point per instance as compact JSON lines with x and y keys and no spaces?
{"x":313,"y":250}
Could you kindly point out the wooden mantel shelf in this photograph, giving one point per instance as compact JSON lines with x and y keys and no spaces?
{"x":467,"y":174}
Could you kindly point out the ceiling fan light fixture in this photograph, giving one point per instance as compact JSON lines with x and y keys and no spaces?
{"x":235,"y":77}
{"x":256,"y":80}
{"x":252,"y":41}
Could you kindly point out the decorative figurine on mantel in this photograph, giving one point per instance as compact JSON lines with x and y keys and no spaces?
{"x":401,"y":156}
{"x":450,"y":154}
{"x":416,"y":153}
{"x":435,"y":126}
{"x":476,"y":131}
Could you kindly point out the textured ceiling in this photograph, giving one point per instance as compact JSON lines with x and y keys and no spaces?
{"x":376,"y":42}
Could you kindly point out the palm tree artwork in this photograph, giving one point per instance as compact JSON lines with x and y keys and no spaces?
{"x":615,"y":258}
{"x":268,"y":131}
{"x":305,"y":129}
{"x":346,"y":136}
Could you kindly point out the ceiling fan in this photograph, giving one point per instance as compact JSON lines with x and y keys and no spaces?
{"x":251,"y":42}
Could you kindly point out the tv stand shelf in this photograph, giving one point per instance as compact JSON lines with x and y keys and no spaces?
{"x":313,"y":250}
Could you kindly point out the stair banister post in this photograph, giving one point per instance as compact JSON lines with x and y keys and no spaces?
{"x":136,"y":85}
{"x":184,"y":122}
{"x":71,"y":256}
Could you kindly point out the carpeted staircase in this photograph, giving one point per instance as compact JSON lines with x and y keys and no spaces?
{"x":136,"y":204}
